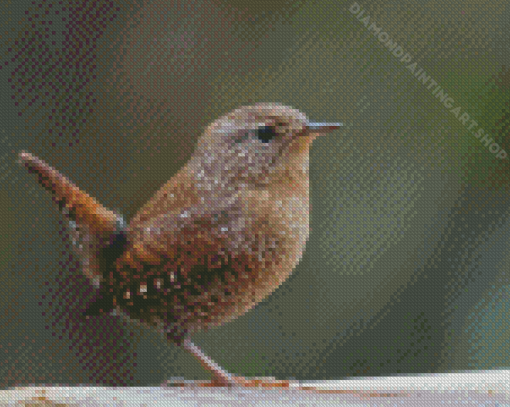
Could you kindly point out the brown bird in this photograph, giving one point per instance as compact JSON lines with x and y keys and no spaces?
{"x":216,"y":239}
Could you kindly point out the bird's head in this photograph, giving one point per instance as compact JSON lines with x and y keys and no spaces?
{"x":257,"y":145}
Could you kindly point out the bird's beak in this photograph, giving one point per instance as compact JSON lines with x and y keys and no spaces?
{"x":311,"y":131}
{"x":322,"y":128}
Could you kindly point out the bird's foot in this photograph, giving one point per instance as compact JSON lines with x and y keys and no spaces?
{"x":234,"y":381}
{"x":240,"y":381}
{"x":221,"y":377}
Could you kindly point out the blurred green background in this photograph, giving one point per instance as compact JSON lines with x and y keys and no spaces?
{"x":407,"y":266}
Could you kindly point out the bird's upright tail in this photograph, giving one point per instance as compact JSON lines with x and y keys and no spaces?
{"x":92,"y":226}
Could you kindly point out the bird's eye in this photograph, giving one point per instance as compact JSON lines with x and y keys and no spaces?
{"x":266,"y":133}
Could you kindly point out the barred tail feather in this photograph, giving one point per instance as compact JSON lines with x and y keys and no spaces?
{"x":81,"y":207}
{"x":92,"y":227}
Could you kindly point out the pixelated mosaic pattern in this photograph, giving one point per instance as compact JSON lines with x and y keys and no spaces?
{"x":406,"y":268}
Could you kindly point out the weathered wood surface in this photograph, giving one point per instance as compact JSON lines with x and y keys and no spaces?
{"x":487,"y":388}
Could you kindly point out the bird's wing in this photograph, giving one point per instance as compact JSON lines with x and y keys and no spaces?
{"x":164,"y":233}
{"x":174,"y":252}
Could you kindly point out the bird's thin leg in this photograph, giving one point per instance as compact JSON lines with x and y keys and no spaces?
{"x":223,"y":378}
{"x":219,"y":374}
